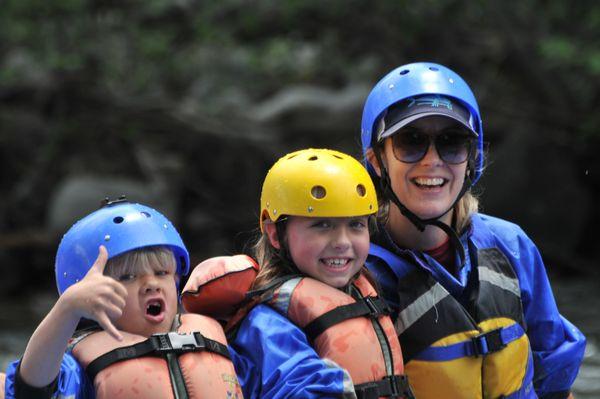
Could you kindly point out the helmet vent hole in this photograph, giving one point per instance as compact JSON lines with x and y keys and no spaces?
{"x":292,"y":156}
{"x":145,"y":214}
{"x":404,"y":72}
{"x":433,"y":69}
{"x":318,"y":192}
{"x":118,"y":219}
{"x":313,"y":158}
{"x":337,"y":156}
{"x":361,"y":190}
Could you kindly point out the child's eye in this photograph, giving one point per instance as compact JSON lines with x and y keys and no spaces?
{"x":322,"y":223}
{"x":161,"y":273}
{"x":126,"y":277}
{"x":358,"y":223}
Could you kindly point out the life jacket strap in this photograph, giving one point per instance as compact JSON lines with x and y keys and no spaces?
{"x":158,"y":345}
{"x":480,"y":345}
{"x":395,"y":386}
{"x":368,"y":306}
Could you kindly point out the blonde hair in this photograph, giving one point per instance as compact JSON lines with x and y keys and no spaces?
{"x":143,"y":260}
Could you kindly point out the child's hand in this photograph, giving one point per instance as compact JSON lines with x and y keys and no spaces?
{"x":98,"y":297}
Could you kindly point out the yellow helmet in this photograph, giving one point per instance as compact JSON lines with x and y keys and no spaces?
{"x":317,"y":183}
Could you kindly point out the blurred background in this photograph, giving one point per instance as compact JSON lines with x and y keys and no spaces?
{"x":184,"y":105}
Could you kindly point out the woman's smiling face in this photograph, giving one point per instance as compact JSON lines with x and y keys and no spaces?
{"x":430,"y":186}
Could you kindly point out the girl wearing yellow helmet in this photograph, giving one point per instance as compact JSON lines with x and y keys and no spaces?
{"x":317,"y":327}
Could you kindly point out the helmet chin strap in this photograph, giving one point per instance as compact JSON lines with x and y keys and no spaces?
{"x":386,"y":188}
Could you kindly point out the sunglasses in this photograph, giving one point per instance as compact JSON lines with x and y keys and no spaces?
{"x":453,"y":145}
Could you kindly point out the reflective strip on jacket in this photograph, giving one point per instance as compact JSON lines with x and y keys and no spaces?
{"x":496,"y":323}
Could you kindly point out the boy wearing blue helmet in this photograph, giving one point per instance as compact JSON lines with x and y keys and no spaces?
{"x":120,"y":268}
{"x":472,"y":303}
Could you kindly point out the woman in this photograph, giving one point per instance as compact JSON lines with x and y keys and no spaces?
{"x":471,"y":300}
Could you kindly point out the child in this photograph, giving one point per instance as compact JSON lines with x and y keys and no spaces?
{"x":319,"y":329}
{"x":140,"y":345}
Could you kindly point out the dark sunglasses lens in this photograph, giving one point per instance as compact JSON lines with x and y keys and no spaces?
{"x":410,"y":146}
{"x":454,"y":147}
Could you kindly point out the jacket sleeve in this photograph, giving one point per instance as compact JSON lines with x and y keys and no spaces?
{"x":71,"y":382}
{"x":557,"y":345}
{"x":273,"y":359}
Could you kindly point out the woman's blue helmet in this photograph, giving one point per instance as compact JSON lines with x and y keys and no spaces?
{"x":417,"y":79}
{"x":120,"y":226}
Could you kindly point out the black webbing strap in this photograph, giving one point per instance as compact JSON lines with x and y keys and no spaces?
{"x":395,"y":386}
{"x":273,"y":285}
{"x":368,"y":306}
{"x":158,"y":345}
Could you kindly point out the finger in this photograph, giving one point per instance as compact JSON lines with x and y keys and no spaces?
{"x":108,"y":326}
{"x":116,"y":299}
{"x":120,"y":289}
{"x":113,"y":312}
{"x":100,"y":262}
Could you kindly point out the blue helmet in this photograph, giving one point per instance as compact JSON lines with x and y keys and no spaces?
{"x":121,"y":227}
{"x":414,"y":80}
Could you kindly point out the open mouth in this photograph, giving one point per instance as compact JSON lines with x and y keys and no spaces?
{"x":155,"y":310}
{"x":429,"y":182}
{"x":336,"y":263}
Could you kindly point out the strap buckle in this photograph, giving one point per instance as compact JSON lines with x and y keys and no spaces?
{"x":375,"y":306}
{"x":399,"y":386}
{"x":176,"y":342}
{"x":488,"y":342}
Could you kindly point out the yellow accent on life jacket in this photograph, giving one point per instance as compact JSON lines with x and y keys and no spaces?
{"x":442,"y":338}
{"x":206,"y":374}
{"x":492,"y":376}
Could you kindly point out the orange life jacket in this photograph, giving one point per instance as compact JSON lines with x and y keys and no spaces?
{"x":192,"y":362}
{"x":354,"y":330}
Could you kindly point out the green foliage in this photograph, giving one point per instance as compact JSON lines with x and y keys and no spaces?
{"x":144,"y":49}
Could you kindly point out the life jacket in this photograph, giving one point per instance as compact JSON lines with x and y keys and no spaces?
{"x":355,"y":331}
{"x":479,"y":350}
{"x":190,"y":362}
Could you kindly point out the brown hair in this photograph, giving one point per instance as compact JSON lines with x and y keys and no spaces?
{"x":276,"y":263}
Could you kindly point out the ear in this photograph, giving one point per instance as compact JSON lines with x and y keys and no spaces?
{"x":271,"y":230}
{"x":372,"y":159}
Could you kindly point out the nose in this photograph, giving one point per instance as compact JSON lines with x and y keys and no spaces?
{"x":150,"y":284}
{"x":342,"y":239}
{"x":432,"y":157}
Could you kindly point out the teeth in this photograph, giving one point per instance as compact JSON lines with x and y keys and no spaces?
{"x":336,"y":262}
{"x":434,"y":181}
